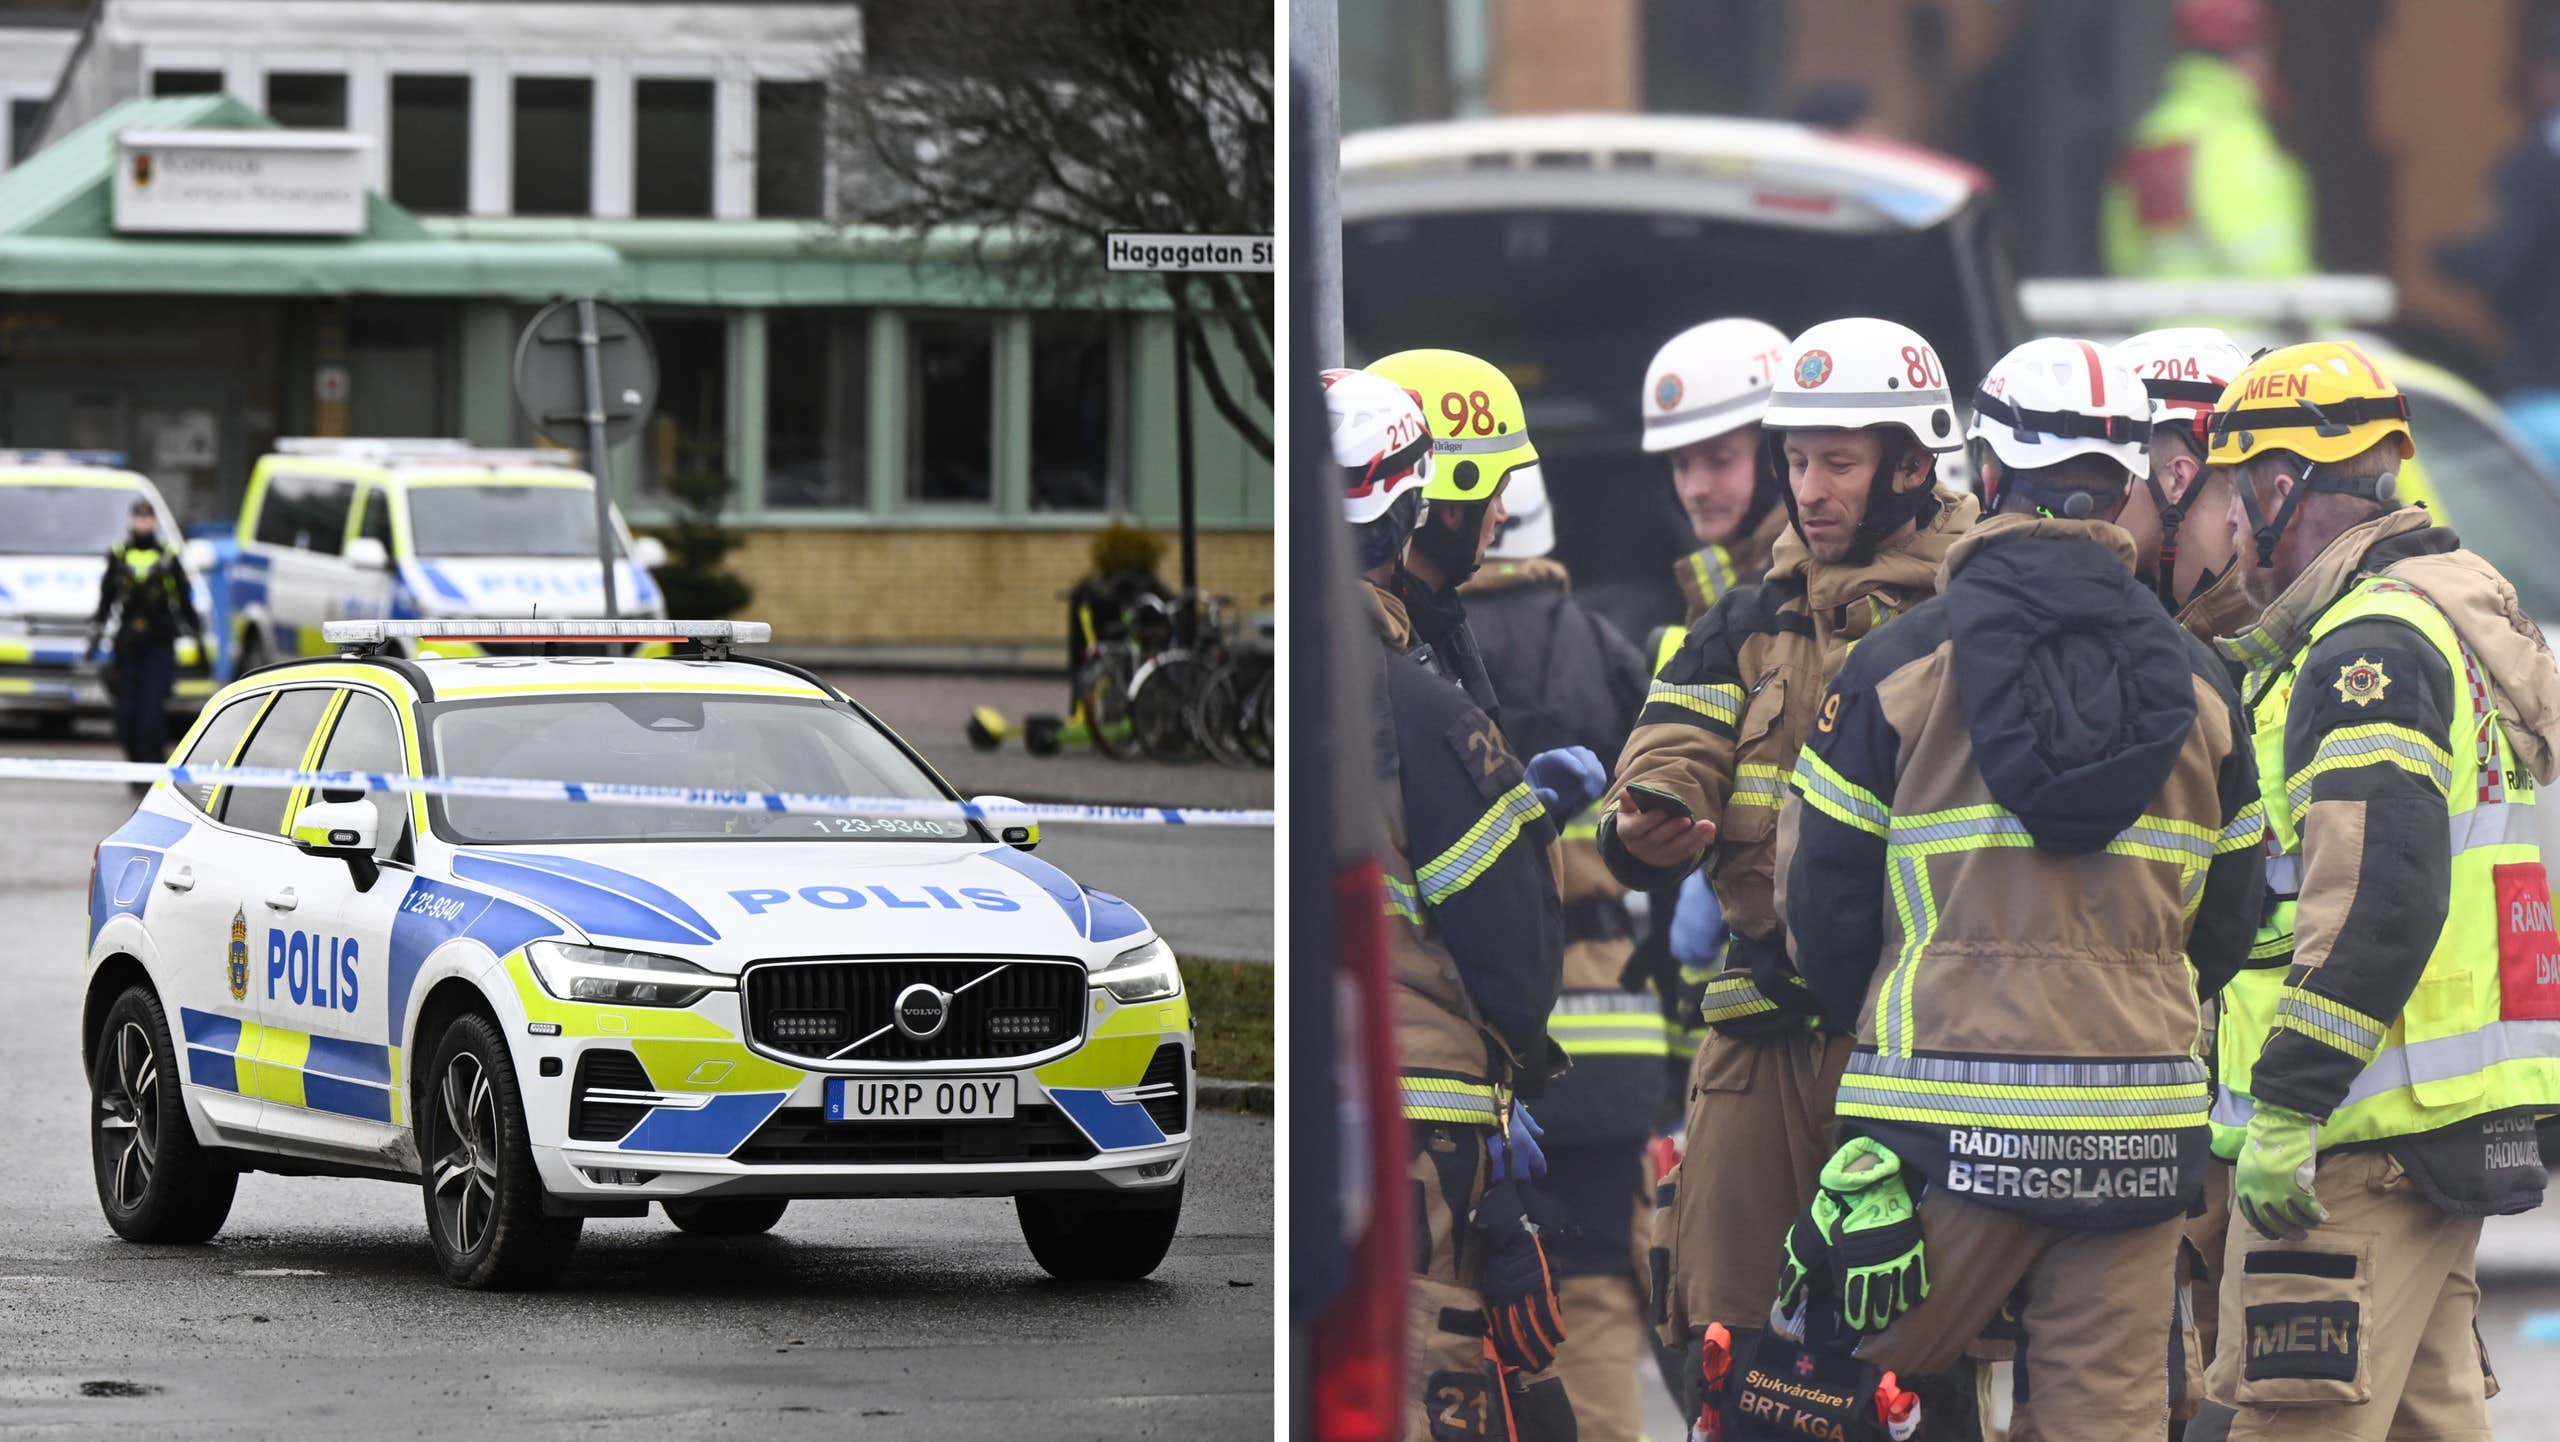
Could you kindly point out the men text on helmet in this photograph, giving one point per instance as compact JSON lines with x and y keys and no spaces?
{"x":2060,"y":428}
{"x":1383,"y":448}
{"x":1856,"y":415}
{"x":1479,"y":440}
{"x":2184,"y":369}
{"x":2315,"y":433}
{"x":1703,"y":398}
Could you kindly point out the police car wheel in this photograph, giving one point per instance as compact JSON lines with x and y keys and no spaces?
{"x":155,"y":1182}
{"x":483,"y":1197}
{"x":1099,"y":1236}
{"x":725,"y":1216}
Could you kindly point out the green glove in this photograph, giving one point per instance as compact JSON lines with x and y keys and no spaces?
{"x":2273,"y":1180}
{"x":1883,"y":1270}
{"x":1807,"y":1248}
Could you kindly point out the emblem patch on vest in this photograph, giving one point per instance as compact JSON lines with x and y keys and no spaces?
{"x":2361,"y":682}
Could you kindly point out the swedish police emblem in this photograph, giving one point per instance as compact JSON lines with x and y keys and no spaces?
{"x":239,"y":956}
{"x":2361,"y":682}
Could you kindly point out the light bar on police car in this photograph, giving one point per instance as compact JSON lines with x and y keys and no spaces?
{"x":112,"y":460}
{"x":717,"y":633}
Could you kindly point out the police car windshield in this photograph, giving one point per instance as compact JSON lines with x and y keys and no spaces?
{"x":503,"y":520}
{"x":62,"y":520}
{"x":714,"y":742}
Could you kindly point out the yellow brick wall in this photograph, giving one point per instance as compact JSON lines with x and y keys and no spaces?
{"x":924,"y":587}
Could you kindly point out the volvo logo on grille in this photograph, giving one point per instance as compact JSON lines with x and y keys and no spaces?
{"x":923,"y":1010}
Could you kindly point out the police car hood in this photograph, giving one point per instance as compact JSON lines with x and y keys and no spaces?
{"x":724,"y":904}
{"x":54,"y":587}
{"x":507,"y":586}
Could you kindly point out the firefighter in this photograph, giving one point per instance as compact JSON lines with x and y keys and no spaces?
{"x":1476,"y":941}
{"x":1859,"y":409}
{"x":1569,"y":679}
{"x":2380,"y":1076}
{"x":2027,"y":807}
{"x":1703,"y":398}
{"x":2203,"y":188}
{"x":145,"y":601}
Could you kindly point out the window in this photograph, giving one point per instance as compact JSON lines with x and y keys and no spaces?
{"x":791,"y":146}
{"x":186,"y":82}
{"x":308,"y":513}
{"x":307,"y":102}
{"x":375,"y":523}
{"x":24,"y":117}
{"x":367,"y":738}
{"x":278,"y":743}
{"x":555,"y":136}
{"x":214,"y":745}
{"x":951,"y":368}
{"x":693,"y":398}
{"x":816,"y":406}
{"x":431,"y":143}
{"x":1075,"y":408}
{"x":671,"y":147}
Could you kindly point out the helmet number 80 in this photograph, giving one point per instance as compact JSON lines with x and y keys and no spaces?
{"x":1471,"y":411}
{"x":1921,"y":367}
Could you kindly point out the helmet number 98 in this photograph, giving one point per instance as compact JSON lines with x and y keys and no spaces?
{"x":1472,"y":411}
{"x":1921,"y":367}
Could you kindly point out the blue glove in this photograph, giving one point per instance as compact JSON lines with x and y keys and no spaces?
{"x":1697,"y":924}
{"x":1516,"y":1154}
{"x":1567,"y":779}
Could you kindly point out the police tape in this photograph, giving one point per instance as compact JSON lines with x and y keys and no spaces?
{"x":591,"y":793}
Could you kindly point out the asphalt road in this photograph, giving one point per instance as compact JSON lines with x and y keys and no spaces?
{"x":319,"y":1312}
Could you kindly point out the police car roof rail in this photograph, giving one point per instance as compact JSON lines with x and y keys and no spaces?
{"x":105,"y":460}
{"x":392,"y":452}
{"x":803,"y":672}
{"x":365,"y":638}
{"x":408,"y":670}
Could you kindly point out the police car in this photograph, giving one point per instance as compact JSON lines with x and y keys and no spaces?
{"x":59,"y":511}
{"x":334,"y":530}
{"x":539,"y":1011}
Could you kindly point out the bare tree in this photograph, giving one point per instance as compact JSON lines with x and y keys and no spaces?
{"x":1042,"y":125}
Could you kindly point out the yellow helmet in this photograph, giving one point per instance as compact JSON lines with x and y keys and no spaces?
{"x":1479,"y":429}
{"x":2323,"y":400}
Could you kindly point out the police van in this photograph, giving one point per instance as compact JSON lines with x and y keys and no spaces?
{"x":335,"y":530}
{"x":59,"y":511}
{"x":539,"y":1008}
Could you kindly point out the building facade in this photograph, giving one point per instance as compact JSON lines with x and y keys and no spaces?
{"x":918,"y":451}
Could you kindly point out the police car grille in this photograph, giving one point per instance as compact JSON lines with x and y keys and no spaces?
{"x":802,"y":1136}
{"x":865,"y":993}
{"x":1171,"y":1113}
{"x":595,"y":1121}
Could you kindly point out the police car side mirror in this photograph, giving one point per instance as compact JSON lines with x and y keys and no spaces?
{"x":649,"y":553}
{"x":1020,"y":835}
{"x":367,"y":552}
{"x":341,"y":829}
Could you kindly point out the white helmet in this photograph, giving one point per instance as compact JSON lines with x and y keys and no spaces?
{"x":1710,"y":379}
{"x":1380,"y":441}
{"x":1531,"y":529}
{"x":2055,"y":398}
{"x":2184,"y":369}
{"x":1865,"y":372}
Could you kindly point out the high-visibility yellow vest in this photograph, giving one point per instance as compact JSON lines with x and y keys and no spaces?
{"x":2450,"y":1055}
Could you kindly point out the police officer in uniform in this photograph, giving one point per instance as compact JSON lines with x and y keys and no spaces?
{"x":1860,"y":408}
{"x":1476,"y":945}
{"x":145,"y":601}
{"x":2380,"y":1075}
{"x":1568,"y":679}
{"x":2026,"y":806}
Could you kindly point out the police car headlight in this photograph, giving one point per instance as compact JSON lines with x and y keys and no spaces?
{"x":621,"y":978}
{"x":1141,"y":974}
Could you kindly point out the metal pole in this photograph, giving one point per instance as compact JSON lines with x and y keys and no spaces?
{"x":591,"y":376}
{"x":1315,"y":58}
{"x":1183,"y":471}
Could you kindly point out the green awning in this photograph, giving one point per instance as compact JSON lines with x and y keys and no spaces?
{"x":57,"y":235}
